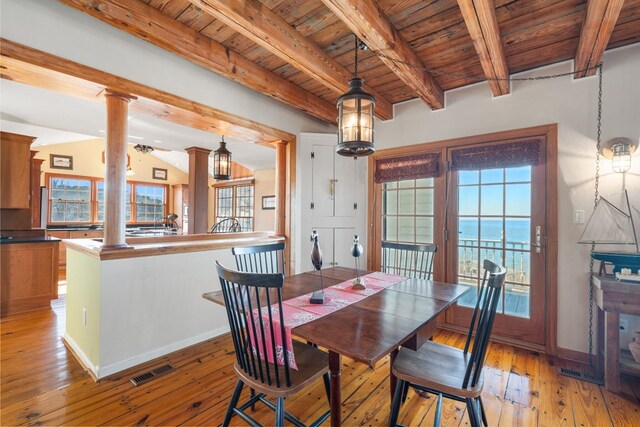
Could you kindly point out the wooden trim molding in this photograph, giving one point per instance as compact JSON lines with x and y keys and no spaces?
{"x":550,"y":132}
{"x":152,"y":25}
{"x":573,"y":355}
{"x":33,"y":67}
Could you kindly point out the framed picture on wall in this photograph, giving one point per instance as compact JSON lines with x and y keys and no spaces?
{"x":59,"y":161}
{"x":268,"y":202}
{"x":159,"y":173}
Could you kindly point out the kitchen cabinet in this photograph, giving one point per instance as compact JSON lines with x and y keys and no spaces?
{"x":62,"y":259}
{"x":70,"y":234}
{"x":181,"y":206}
{"x":15,"y":171}
{"x":34,"y":184}
{"x":28,"y":274}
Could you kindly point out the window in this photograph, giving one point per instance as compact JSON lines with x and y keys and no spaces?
{"x":235,"y":202}
{"x":407,"y":211}
{"x":70,"y":199}
{"x":73,"y":199}
{"x":150,"y":202}
{"x":100,"y":198}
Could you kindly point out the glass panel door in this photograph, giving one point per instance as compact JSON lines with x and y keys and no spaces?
{"x":495,"y":216}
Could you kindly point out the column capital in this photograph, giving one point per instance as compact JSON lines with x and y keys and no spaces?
{"x":198,"y":150}
{"x":110,"y":93}
{"x":280,"y":142}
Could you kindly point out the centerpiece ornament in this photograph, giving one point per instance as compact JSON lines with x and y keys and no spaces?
{"x":356,"y":251}
{"x":316,"y":260}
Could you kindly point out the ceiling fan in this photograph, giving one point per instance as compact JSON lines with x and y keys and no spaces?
{"x":144,"y":149}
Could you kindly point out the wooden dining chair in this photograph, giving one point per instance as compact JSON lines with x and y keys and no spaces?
{"x":243,"y":293}
{"x":261,"y":258}
{"x":409,"y":260}
{"x":448,"y":371}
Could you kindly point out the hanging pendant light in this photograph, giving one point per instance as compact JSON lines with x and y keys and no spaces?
{"x":222,"y":162}
{"x":355,"y":118}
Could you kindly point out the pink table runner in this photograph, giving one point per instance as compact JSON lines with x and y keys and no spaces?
{"x":298,"y":311}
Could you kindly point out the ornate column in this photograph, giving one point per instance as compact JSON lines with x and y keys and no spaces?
{"x":115,"y":169}
{"x":198,"y":189}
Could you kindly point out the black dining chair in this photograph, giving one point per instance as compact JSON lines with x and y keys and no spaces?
{"x":448,"y":371}
{"x":261,"y":258}
{"x":411,"y":260}
{"x":226,"y":225}
{"x":243,"y":293}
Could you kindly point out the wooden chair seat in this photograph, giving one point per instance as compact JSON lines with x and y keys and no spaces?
{"x":313,"y":364}
{"x":436,"y":366}
{"x":450,"y":372}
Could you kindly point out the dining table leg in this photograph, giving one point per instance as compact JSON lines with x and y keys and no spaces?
{"x":335,"y":365}
{"x":392,"y":378}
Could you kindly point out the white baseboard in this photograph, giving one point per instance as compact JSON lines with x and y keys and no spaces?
{"x":79,"y":354}
{"x":99,"y":372}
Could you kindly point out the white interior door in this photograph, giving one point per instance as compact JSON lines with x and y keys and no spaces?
{"x":322,"y":194}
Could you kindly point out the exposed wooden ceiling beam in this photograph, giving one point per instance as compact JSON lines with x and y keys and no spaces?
{"x":367,"y":21}
{"x":600,"y":18}
{"x":150,"y":24}
{"x":480,"y":17}
{"x":33,"y":67}
{"x":259,"y":24}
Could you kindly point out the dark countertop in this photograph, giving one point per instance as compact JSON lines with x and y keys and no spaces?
{"x":74,"y":228}
{"x":11,"y":240}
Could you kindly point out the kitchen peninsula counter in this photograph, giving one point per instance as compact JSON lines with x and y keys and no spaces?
{"x":130,"y":305}
{"x":164,"y":245}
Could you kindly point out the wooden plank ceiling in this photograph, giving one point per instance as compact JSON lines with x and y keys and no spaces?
{"x":533,"y":34}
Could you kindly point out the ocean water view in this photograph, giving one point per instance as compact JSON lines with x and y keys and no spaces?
{"x":488,"y":233}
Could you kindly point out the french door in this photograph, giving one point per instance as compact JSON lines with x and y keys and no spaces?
{"x":496,"y":201}
{"x":498,"y":213}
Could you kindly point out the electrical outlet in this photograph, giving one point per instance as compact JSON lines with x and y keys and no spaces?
{"x":624,"y":324}
{"x":84,"y":316}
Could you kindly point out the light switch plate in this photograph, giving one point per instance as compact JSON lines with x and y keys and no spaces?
{"x":578,"y":216}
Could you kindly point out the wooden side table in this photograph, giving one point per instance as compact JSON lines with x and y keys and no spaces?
{"x":614,"y":298}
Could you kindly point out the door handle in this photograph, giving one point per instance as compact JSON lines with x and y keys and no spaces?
{"x":332,"y":188}
{"x":538,"y":239}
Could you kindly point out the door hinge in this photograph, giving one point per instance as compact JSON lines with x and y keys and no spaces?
{"x":446,"y":235}
{"x":312,"y":205}
{"x":313,"y":155}
{"x":355,"y":206}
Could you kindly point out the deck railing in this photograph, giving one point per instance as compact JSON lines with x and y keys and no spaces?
{"x":518,"y":267}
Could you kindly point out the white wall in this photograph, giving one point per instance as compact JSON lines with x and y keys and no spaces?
{"x":573,"y":105}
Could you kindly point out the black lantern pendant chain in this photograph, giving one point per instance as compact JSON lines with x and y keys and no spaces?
{"x":355,"y":69}
{"x":596,"y":196}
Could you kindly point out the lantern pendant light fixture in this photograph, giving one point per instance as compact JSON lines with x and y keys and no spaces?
{"x":355,"y":117}
{"x":222,"y":162}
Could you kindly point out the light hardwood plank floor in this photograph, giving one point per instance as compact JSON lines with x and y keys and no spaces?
{"x":42,"y":384}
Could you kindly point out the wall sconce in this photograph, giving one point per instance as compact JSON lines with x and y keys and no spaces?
{"x":619,"y":151}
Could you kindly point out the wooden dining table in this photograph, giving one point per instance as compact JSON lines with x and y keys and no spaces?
{"x":403,"y":314}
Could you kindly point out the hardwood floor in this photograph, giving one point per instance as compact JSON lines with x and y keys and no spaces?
{"x":42,"y":384}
